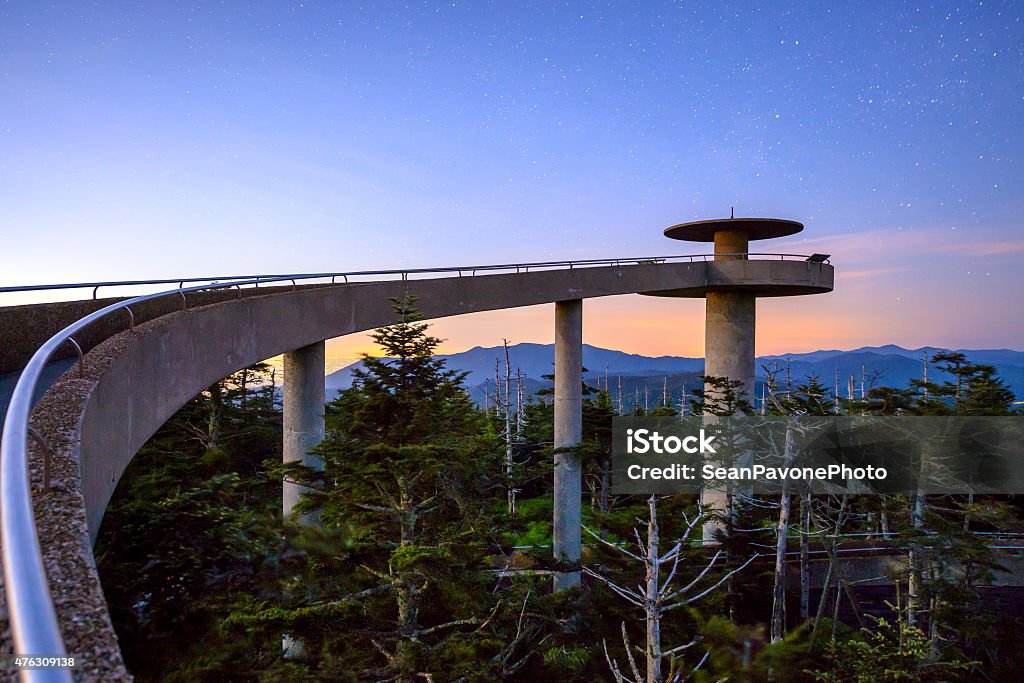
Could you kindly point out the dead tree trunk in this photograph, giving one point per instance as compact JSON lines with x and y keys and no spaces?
{"x":805,"y":568}
{"x":914,"y":560}
{"x":652,"y":603}
{"x":833,"y":566}
{"x":511,"y":492}
{"x":216,"y":410}
{"x":778,"y":622}
{"x":657,"y":596}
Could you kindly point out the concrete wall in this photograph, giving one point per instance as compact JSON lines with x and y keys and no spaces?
{"x":756,"y":276}
{"x":25,"y":328}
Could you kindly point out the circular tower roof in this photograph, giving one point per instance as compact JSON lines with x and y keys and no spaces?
{"x":756,"y":229}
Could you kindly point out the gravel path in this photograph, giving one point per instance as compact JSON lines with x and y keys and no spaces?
{"x":60,"y":520}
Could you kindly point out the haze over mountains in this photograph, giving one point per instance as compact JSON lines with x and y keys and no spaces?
{"x":889,"y":365}
{"x":643,"y":379}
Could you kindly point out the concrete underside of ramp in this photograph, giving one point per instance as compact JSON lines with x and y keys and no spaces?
{"x":135,"y":381}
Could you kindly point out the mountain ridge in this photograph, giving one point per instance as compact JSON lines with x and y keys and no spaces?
{"x":888,"y":364}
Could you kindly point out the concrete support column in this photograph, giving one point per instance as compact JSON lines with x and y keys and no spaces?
{"x":731,"y":245}
{"x":304,"y":428}
{"x":728,"y":346}
{"x":729,"y":337}
{"x":304,"y":398}
{"x":568,"y":432}
{"x":728,"y":352}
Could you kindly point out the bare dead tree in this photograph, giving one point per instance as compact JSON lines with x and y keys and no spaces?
{"x":511,"y":492}
{"x":805,"y":566}
{"x":658,"y":595}
{"x":497,"y":387}
{"x":925,"y":378}
{"x":515,"y":652}
{"x":778,"y":621}
{"x":785,"y":407}
{"x":914,"y":577}
{"x":829,"y":532}
{"x":209,"y":433}
{"x":836,"y":392}
{"x":520,"y":405}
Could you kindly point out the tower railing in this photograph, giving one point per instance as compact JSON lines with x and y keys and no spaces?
{"x":230,"y":280}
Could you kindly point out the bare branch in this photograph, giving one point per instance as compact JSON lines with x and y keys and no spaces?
{"x":680,"y":648}
{"x":522,"y":614}
{"x":688,"y":587}
{"x":386,"y":494}
{"x":619,"y":678}
{"x":629,"y":653}
{"x":380,"y":575}
{"x":354,"y":596}
{"x":608,"y":543}
{"x":671,"y":574}
{"x":641,"y":544}
{"x":673,"y":552}
{"x":635,"y":598}
{"x":419,"y":507}
{"x":720,"y":582}
{"x":699,"y":665}
{"x":394,"y":512}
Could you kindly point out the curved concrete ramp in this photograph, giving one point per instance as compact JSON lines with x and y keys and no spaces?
{"x":175,"y":357}
{"x":135,"y":381}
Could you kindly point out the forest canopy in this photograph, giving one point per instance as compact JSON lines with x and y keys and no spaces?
{"x":422,"y":550}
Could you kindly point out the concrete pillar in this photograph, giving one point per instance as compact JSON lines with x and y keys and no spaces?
{"x":304,"y":428}
{"x":729,"y":320}
{"x":729,"y":331}
{"x":730,"y":243}
{"x":729,"y":337}
{"x":304,"y":398}
{"x":568,"y":432}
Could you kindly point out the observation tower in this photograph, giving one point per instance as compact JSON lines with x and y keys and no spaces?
{"x":734,"y":282}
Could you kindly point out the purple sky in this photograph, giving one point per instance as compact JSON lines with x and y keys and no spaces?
{"x":167,"y":139}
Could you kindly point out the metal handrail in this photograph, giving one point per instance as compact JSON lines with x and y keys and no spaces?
{"x":517,"y":267}
{"x":33,"y":620}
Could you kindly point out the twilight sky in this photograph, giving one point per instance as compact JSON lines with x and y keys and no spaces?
{"x":174,"y":139}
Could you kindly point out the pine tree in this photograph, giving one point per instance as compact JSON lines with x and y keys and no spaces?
{"x":192,"y":528}
{"x":412,"y":470}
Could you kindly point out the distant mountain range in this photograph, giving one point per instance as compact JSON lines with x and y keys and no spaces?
{"x":643,"y":378}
